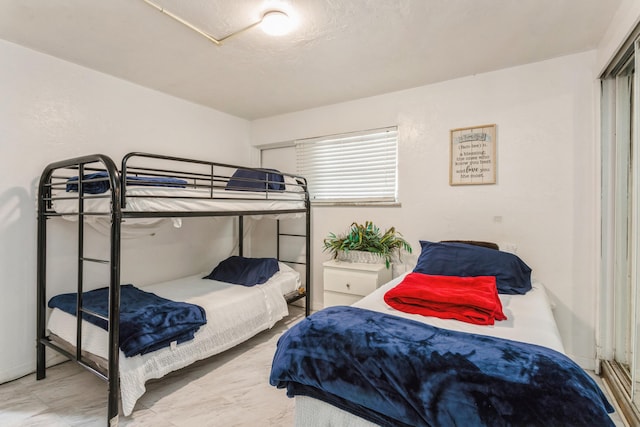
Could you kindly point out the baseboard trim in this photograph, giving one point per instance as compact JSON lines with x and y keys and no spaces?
{"x":28,"y":368}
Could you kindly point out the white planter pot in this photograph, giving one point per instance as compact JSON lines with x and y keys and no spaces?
{"x":360,"y":256}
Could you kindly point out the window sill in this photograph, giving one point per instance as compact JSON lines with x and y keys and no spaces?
{"x":357,"y":204}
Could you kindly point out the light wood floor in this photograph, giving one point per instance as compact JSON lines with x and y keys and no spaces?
{"x":230,"y":389}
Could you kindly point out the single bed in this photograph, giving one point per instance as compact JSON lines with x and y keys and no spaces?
{"x":440,"y":383}
{"x":234,"y":314}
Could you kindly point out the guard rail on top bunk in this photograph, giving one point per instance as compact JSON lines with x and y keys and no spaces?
{"x":55,"y":177}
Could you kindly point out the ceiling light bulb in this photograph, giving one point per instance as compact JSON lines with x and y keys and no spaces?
{"x":275,"y":23}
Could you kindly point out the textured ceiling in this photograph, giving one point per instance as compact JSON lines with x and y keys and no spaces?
{"x":339,"y":49}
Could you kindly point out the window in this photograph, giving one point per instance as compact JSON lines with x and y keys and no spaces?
{"x":359,"y":167}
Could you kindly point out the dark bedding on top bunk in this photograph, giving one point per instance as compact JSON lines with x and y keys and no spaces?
{"x":398,"y":372}
{"x":98,"y":187}
{"x":256,"y":180}
{"x":147,"y":322}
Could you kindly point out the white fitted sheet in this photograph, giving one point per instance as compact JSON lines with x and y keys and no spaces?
{"x":168,"y":199}
{"x":529,"y":319}
{"x":234,"y":314}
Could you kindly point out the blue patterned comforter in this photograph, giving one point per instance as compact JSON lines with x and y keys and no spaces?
{"x":398,"y":372}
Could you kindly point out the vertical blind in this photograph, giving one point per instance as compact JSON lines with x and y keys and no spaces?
{"x":353,"y":167}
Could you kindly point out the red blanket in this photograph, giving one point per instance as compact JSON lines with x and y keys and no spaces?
{"x":469,"y":299}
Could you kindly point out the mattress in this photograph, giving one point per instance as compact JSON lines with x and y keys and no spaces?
{"x":529,"y":319}
{"x":234,"y":314}
{"x":167,"y":199}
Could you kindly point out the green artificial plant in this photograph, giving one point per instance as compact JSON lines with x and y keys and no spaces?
{"x":367,"y":237}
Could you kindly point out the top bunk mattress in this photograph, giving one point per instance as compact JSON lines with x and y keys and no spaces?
{"x":149,"y":185}
{"x":182,"y":200}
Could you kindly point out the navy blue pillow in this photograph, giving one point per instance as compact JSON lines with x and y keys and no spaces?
{"x":256,"y":180}
{"x":513,"y":276}
{"x":244,"y":271}
{"x":102,"y":184}
{"x":96,"y":187}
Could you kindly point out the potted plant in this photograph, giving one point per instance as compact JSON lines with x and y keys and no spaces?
{"x":367,"y":238}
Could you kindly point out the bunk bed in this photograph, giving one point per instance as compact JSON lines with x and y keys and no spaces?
{"x":148,"y":188}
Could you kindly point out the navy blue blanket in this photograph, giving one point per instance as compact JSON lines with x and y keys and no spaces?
{"x":256,"y":180}
{"x":147,"y":322}
{"x":102,"y":184}
{"x":398,"y":372}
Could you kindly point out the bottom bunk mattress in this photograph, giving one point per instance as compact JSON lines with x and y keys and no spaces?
{"x":234,"y":314}
{"x":338,"y":394}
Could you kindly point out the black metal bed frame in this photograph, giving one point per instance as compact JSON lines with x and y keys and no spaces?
{"x":199,"y":174}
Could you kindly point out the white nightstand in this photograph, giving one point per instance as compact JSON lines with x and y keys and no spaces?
{"x":347,"y":282}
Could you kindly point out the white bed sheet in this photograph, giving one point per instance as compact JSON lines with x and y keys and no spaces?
{"x":234,"y":314}
{"x":167,"y":199}
{"x":162,"y":199}
{"x":529,"y":319}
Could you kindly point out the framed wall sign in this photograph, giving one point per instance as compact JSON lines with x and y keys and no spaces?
{"x":473,"y":155}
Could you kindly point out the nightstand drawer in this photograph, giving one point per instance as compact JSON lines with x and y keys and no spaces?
{"x":350,"y":281}
{"x":338,"y":298}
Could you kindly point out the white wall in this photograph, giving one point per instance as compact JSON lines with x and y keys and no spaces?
{"x":52,"y":109}
{"x":620,"y":28}
{"x":544,"y":199}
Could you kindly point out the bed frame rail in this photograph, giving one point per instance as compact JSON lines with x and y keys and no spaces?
{"x":211,"y":179}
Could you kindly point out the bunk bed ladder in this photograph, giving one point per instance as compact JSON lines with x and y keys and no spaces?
{"x":114,"y":301}
{"x":306,"y":263}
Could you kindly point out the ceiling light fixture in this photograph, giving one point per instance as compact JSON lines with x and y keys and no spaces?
{"x":273,"y":22}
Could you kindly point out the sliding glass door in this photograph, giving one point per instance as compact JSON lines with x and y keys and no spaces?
{"x":623,"y":291}
{"x":620,"y":239}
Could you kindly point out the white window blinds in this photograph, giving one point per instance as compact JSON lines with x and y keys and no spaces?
{"x":356,"y":167}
